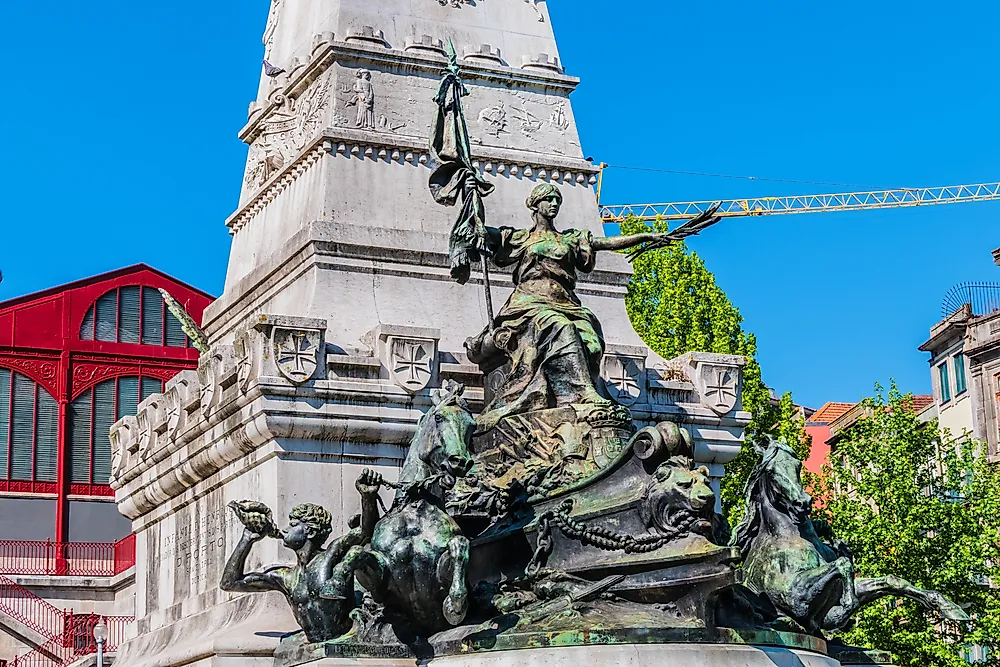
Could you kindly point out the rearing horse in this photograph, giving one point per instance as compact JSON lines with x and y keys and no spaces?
{"x":785,"y":560}
{"x":417,"y":560}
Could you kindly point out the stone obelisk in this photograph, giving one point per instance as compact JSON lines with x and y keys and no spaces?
{"x":339,"y":316}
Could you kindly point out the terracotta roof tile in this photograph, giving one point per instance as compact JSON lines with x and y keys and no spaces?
{"x":921,"y":401}
{"x":829,"y":412}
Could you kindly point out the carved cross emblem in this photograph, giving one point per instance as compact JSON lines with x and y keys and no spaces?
{"x":145,"y":436}
{"x":244,"y":361}
{"x":173,"y":410}
{"x":118,"y":454}
{"x":295,"y":353}
{"x":719,"y":388}
{"x":411,"y":362}
{"x":206,"y":385}
{"x":623,"y":377}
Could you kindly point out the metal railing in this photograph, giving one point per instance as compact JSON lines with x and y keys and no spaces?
{"x":77,"y":640}
{"x":32,"y":611}
{"x":982,"y":298}
{"x":87,"y":559}
{"x":67,"y":635}
{"x":124,"y":553}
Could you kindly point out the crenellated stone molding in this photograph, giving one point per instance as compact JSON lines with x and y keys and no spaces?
{"x":424,"y":54}
{"x":255,"y":392}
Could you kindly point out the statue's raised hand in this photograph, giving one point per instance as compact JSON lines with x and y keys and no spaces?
{"x":256,"y":519}
{"x":369,"y":483}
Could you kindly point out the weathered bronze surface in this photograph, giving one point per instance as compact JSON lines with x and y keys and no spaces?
{"x":320,"y":586}
{"x":809,"y":580}
{"x":416,"y":562}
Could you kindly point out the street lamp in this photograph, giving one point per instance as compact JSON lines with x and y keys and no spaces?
{"x":100,"y":636}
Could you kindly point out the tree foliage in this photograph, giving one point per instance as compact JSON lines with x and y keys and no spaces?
{"x":919,"y":504}
{"x":676,"y":307}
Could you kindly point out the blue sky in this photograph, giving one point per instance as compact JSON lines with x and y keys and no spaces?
{"x":120,"y":147}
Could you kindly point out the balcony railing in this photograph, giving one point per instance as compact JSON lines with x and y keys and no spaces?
{"x":84,"y":559}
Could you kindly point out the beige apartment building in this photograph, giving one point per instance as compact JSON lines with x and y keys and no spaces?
{"x":965,"y":364}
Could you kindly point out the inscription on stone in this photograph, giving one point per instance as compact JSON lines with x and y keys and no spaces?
{"x":192,"y":547}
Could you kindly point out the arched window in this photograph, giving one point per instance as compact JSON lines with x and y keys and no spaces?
{"x":29,"y":430}
{"x":133,"y":314}
{"x":92,"y":414}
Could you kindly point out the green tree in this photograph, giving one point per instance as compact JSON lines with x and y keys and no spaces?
{"x":915,"y":502}
{"x":676,"y":307}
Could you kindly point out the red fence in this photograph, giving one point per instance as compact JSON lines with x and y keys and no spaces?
{"x":86,"y":559}
{"x":24,"y":606}
{"x":67,"y":635}
{"x":77,"y":640}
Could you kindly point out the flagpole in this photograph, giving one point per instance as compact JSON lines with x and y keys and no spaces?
{"x":489,"y":292}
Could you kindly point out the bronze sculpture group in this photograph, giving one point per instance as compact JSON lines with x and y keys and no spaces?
{"x":548,"y":512}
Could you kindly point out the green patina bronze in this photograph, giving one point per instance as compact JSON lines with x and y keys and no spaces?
{"x":320,"y":586}
{"x":808,"y":579}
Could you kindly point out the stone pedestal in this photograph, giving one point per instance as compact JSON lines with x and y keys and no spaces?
{"x":638,"y":655}
{"x":629,"y":655}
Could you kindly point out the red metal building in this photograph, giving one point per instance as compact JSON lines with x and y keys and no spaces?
{"x":73,"y":360}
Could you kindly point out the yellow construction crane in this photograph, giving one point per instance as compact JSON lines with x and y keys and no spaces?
{"x":847,"y":201}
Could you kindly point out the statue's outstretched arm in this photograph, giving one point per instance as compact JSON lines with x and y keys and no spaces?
{"x":651,"y":241}
{"x":235,"y":580}
{"x":622,"y":242}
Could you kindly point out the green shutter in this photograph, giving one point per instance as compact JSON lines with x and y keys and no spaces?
{"x":81,"y":432}
{"x":152,"y":317}
{"x":104,"y":419}
{"x":4,"y":420}
{"x":944,"y":383}
{"x":23,"y":431}
{"x":128,"y":397}
{"x":46,"y":437}
{"x":959,"y":361}
{"x":107,"y":316}
{"x":87,"y":328}
{"x":128,"y":314}
{"x":150,"y":386}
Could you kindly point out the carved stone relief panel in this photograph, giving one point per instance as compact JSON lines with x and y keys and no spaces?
{"x":120,"y":436}
{"x":409,"y":355}
{"x":296,"y":352}
{"x":411,"y":361}
{"x":212,"y":369}
{"x":243,"y":352}
{"x":179,"y":393}
{"x":145,"y":418}
{"x":271,"y":27}
{"x":369,"y":100}
{"x":286,"y":130}
{"x":625,"y":377}
{"x":522,"y":120}
{"x":207,"y":386}
{"x":280,"y":346}
{"x":718,"y":385}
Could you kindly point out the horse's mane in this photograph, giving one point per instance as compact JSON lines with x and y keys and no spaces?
{"x":749,"y":525}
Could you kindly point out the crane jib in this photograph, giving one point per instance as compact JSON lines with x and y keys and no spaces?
{"x":847,"y":201}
